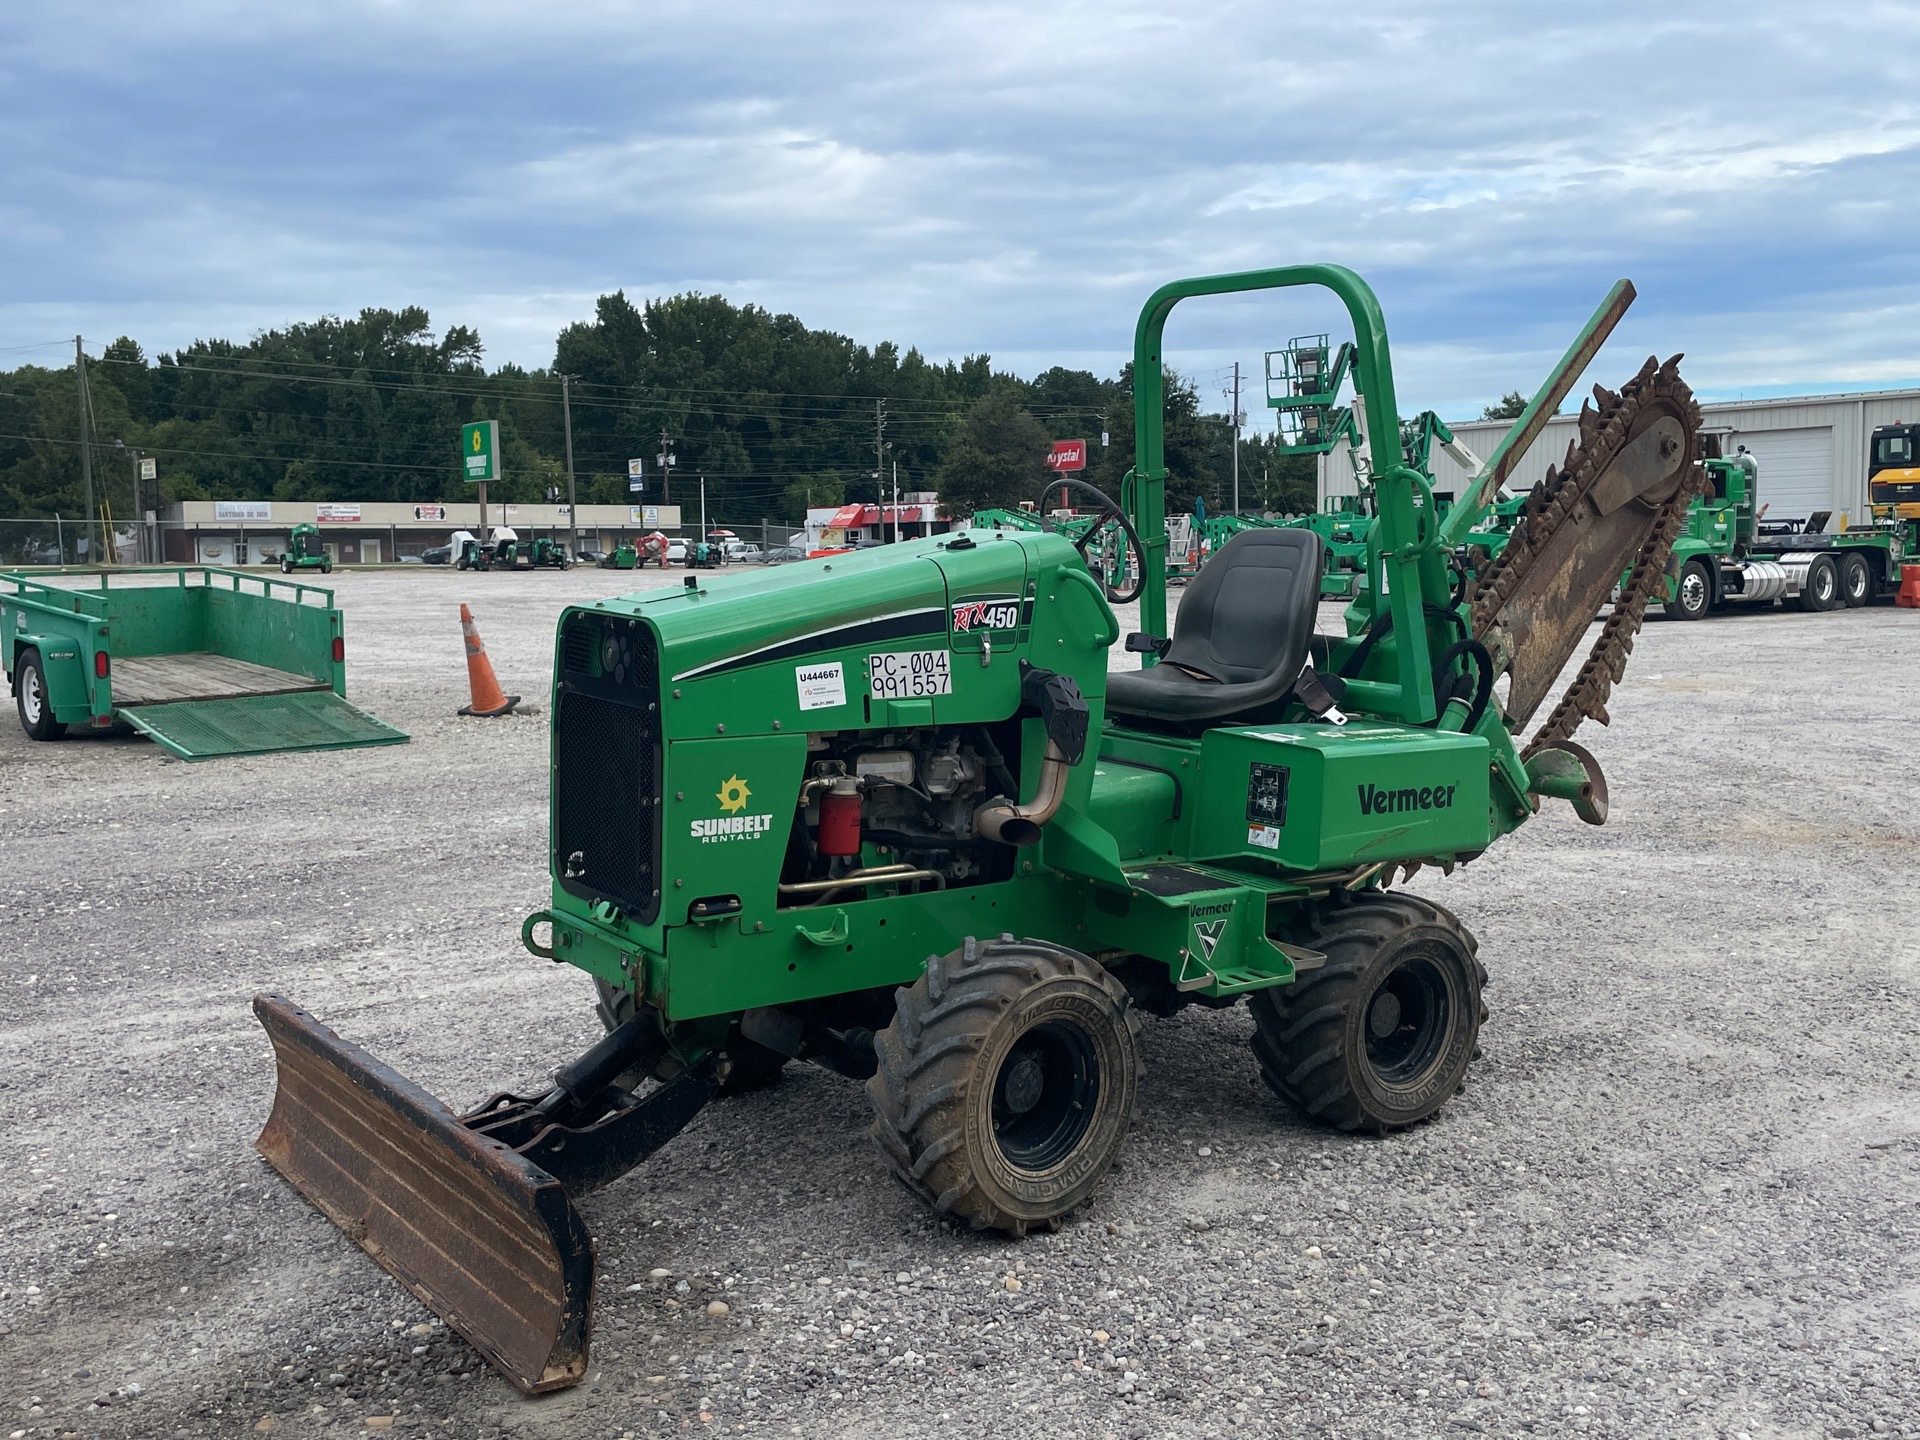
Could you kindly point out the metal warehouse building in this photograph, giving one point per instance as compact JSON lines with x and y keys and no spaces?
{"x":1812,"y":449}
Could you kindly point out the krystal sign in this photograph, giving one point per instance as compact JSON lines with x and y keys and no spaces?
{"x":1067,"y":455}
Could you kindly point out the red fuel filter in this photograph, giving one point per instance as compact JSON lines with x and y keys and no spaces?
{"x":840,"y":821}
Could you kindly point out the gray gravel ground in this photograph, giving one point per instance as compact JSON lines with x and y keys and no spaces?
{"x":1676,"y":1198}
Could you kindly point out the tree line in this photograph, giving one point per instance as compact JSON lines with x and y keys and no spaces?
{"x":774,"y":416}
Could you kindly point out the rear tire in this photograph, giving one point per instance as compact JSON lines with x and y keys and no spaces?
{"x":1381,"y":1036}
{"x":751,"y":1066}
{"x":1006,"y":1082}
{"x":30,"y":698}
{"x":1693,"y":592}
{"x":1856,"y":581}
{"x":1821,"y":590}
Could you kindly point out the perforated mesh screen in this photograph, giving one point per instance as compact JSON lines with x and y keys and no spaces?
{"x":606,"y":789}
{"x":260,"y":724}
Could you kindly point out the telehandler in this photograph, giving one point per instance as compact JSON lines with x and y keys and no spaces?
{"x":890,"y":812}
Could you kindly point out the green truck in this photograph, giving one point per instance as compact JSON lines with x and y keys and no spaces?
{"x":206,"y":662}
{"x":1730,"y":553}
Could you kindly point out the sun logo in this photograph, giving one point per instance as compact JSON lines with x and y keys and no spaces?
{"x":733,"y":795}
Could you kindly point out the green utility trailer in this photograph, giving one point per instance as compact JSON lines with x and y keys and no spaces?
{"x":891,"y":812}
{"x":205,"y":662}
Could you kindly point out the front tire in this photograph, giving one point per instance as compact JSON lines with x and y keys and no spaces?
{"x":1692,"y":592}
{"x":1380,"y":1037}
{"x":286,"y":567}
{"x":1006,"y":1082}
{"x":30,"y":698}
{"x":1856,"y":581}
{"x":1821,"y":591}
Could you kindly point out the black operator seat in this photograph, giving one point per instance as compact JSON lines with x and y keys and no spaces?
{"x":1240,"y":638}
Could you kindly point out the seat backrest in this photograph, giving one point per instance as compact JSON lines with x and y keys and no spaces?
{"x":1250,"y":611}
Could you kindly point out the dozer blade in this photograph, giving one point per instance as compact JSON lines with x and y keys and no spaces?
{"x":484,"y":1237}
{"x":1611,"y":508}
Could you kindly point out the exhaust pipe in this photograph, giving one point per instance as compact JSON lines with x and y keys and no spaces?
{"x":1020,"y":825}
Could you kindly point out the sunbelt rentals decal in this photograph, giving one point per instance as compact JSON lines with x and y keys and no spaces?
{"x":719,"y":830}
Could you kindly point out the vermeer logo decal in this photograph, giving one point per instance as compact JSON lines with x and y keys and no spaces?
{"x":1375,"y":801}
{"x":1208,"y":932}
{"x":987,"y":612}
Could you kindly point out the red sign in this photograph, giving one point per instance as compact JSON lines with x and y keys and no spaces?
{"x":1067,"y":455}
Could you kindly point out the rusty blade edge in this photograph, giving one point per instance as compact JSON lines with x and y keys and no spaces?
{"x":350,"y":1167}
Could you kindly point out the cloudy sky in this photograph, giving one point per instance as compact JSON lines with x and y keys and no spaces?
{"x":976,"y":177}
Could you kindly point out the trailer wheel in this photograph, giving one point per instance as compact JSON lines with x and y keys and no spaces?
{"x":1006,"y":1082}
{"x":1821,"y":589}
{"x":30,"y":697}
{"x":1856,"y":581}
{"x":1381,"y":1036}
{"x":751,"y":1066}
{"x":1692,"y":593}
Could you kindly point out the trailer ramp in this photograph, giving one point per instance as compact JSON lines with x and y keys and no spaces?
{"x":259,"y":725}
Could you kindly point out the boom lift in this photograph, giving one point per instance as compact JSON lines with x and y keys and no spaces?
{"x":889,"y":812}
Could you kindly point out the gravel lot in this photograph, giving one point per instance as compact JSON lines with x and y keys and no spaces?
{"x":1678,"y":1196}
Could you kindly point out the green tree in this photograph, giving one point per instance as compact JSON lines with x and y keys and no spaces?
{"x":997,"y":457}
{"x":1507,"y":407}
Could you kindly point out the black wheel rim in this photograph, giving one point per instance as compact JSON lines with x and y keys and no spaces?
{"x":1044,"y":1094}
{"x":1406,"y":1021}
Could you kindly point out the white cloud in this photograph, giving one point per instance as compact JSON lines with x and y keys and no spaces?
{"x":1011,"y":178}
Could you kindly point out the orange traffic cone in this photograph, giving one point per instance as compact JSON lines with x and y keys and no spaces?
{"x":487,"y":698}
{"x":1909,"y":595}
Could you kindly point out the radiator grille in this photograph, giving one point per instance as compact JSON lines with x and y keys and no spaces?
{"x":606,"y":784}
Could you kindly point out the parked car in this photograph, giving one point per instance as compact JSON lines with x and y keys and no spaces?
{"x":783,"y":554}
{"x":741,"y":552}
{"x":589,"y":557}
{"x":677,"y":551}
{"x":439,"y":555}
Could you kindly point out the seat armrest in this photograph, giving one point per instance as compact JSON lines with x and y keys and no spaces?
{"x":1140,"y":643}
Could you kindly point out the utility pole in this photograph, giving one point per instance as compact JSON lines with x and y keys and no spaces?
{"x":1236,"y":437}
{"x":86,"y":444}
{"x":880,"y":460}
{"x":896,"y":502}
{"x":665,"y":457}
{"x":703,"y":509}
{"x":573,"y":504}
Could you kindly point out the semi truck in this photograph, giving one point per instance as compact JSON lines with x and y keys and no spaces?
{"x":1733,"y":553}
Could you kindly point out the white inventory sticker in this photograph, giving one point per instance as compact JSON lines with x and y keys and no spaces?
{"x":1267,"y":837}
{"x":910,"y":674}
{"x":821,"y":686}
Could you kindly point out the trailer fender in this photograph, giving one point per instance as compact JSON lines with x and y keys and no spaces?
{"x":68,"y":694}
